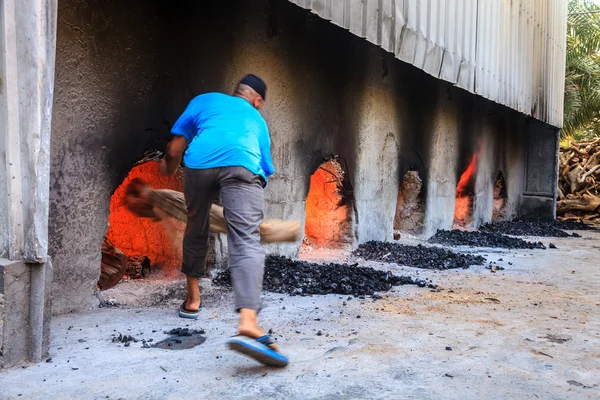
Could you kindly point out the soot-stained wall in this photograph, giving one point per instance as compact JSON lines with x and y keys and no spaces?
{"x":107,"y":109}
{"x":126,"y":70}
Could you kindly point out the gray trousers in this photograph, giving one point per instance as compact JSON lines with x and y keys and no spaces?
{"x":242,"y":198}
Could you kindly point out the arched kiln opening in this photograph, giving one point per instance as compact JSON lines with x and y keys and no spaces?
{"x":465,"y":193}
{"x":410,"y":206}
{"x":500,"y":198}
{"x":136,"y":245}
{"x":328,"y":209}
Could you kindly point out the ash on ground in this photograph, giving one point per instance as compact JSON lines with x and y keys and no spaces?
{"x":416,"y":256}
{"x":180,"y":339}
{"x":283,"y":275}
{"x":482,"y":239}
{"x":542,"y":227}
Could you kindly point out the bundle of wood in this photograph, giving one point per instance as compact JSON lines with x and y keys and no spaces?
{"x":160,"y":204}
{"x":116,"y":266}
{"x":579,"y":182}
{"x":113,"y":266}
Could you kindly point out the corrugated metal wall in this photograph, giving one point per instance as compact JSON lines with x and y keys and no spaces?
{"x":509,"y":51}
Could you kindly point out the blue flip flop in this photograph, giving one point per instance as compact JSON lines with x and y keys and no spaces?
{"x":189,"y":314}
{"x":258,"y":349}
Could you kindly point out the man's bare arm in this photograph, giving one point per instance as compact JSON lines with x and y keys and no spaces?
{"x":172,"y":159}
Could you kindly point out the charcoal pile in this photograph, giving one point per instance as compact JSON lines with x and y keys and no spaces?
{"x":573,"y":225}
{"x":482,"y":239}
{"x":543,"y":227}
{"x":416,"y":256}
{"x":283,"y":275}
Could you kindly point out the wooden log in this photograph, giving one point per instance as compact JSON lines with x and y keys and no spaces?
{"x":587,"y":203}
{"x":137,"y":267}
{"x":147,"y":202}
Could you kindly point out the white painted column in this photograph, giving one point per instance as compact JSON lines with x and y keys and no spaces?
{"x":27,"y":53}
{"x":27,"y":58}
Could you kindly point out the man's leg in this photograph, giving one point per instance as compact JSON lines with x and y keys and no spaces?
{"x":243,"y":203}
{"x":199,"y":190}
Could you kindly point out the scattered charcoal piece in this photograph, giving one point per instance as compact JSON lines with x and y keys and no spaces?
{"x":108,"y":304}
{"x":124,"y":339}
{"x":49,"y":360}
{"x":448,"y":348}
{"x":482,"y":239}
{"x":283,"y":275}
{"x":542,"y":227}
{"x":374,"y":297}
{"x":416,"y":256}
{"x":552,"y":246}
{"x":183,"y":332}
{"x":319,"y":333}
{"x":422,"y":283}
{"x":494,"y":268}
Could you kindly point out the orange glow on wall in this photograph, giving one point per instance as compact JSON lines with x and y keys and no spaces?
{"x":327,"y":215}
{"x":136,"y":236}
{"x":463,"y":205}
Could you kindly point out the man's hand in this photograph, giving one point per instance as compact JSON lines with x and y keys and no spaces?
{"x":172,"y":160}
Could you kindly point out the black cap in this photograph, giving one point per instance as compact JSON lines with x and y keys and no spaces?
{"x":255,"y":83}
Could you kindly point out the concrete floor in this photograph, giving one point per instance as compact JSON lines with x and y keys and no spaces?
{"x":530,"y":331}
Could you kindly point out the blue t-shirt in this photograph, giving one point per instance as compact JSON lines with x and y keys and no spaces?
{"x":225,"y":131}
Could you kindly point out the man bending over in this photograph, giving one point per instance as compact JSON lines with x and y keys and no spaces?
{"x":225,"y":145}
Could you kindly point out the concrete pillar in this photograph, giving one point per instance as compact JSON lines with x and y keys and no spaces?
{"x":27,"y":53}
{"x":483,"y":201}
{"x":376,"y":180}
{"x":443,"y":158}
{"x":514,"y":143}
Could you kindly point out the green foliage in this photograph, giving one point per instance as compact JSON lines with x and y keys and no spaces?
{"x":582,"y":75}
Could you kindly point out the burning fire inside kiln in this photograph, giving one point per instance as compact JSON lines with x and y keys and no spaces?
{"x":463,"y":209}
{"x":133,"y":245}
{"x":328,"y":209}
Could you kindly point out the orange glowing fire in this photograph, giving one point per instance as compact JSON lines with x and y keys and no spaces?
{"x":136,"y":236}
{"x":463,"y":205}
{"x":327,"y":217}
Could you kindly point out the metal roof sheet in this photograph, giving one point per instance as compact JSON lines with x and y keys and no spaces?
{"x":509,"y":51}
